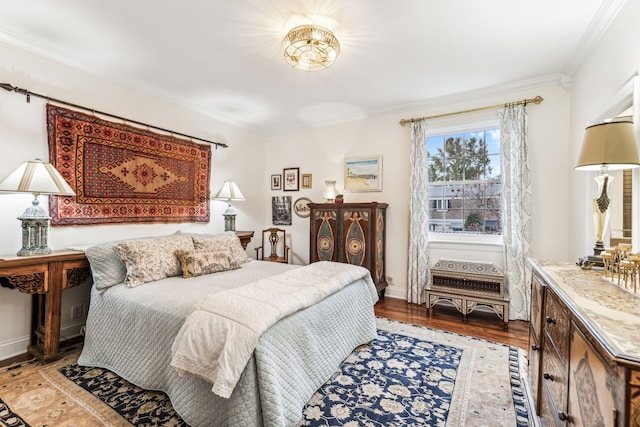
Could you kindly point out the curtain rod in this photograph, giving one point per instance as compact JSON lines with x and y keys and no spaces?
{"x":537,"y":100}
{"x":28,"y":94}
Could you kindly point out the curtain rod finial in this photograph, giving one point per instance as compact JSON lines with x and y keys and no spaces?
{"x":7,"y":86}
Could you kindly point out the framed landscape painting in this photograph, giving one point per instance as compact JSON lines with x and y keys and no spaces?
{"x":362,"y":174}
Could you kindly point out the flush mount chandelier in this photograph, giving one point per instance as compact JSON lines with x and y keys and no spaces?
{"x":310,"y":48}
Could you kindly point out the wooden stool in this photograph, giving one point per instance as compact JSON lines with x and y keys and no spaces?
{"x":607,"y":258}
{"x":627,"y":270}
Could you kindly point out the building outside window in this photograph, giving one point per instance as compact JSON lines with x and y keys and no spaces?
{"x":465,"y":191}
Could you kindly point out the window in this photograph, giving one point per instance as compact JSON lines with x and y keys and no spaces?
{"x":465,"y":191}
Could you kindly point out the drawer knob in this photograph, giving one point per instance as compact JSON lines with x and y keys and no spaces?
{"x":547,"y":376}
{"x":563,"y":416}
{"x":535,"y":347}
{"x":551,"y":320}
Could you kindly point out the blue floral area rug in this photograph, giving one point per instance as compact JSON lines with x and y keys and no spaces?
{"x":408,"y":376}
{"x":417,"y":376}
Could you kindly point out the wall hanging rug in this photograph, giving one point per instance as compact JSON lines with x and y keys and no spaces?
{"x":124,"y":174}
{"x":408,"y":376}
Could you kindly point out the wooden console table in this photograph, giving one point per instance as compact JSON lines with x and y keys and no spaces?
{"x":45,"y":277}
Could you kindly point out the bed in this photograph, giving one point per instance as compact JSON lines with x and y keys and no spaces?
{"x":130,"y":330}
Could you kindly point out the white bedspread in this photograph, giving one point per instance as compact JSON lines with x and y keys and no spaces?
{"x":218,"y":338}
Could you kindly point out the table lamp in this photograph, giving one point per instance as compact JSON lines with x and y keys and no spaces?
{"x":229,"y":191}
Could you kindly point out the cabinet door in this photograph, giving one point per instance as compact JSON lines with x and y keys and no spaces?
{"x":356,"y":225}
{"x":594,"y":386}
{"x":323,"y":235}
{"x":535,"y":356}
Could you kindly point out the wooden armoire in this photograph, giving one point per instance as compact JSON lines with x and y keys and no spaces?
{"x":353,"y":233}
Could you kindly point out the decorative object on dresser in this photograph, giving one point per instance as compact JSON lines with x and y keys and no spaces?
{"x":45,"y":277}
{"x":363,"y":174}
{"x":229,"y":191}
{"x":329,"y":191}
{"x":353,"y":233}
{"x":468,"y":285}
{"x":37,"y":178}
{"x":125,"y":174}
{"x":277,"y":239}
{"x":605,"y":147}
{"x":584,"y":355}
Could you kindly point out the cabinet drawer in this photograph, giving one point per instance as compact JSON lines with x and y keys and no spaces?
{"x":557,"y":325}
{"x":554,"y":376}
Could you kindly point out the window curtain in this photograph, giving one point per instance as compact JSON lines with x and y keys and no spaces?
{"x":418,"y":274}
{"x":516,"y":209}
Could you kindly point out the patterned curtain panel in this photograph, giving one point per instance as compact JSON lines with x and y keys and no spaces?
{"x":418,"y":274}
{"x":516,"y":209}
{"x":124,"y":174}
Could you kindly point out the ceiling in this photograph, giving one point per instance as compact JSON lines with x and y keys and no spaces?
{"x":223,"y":58}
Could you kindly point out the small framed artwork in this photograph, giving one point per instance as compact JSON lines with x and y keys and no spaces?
{"x":301,"y":207}
{"x":362,"y":174}
{"x":281,"y":210}
{"x":291,"y":179}
{"x":276,"y":182}
{"x":306,"y":180}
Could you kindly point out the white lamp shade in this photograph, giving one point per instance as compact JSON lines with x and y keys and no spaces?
{"x":330,"y":192}
{"x":36,"y":177}
{"x":228,"y":191}
{"x":608,"y":144}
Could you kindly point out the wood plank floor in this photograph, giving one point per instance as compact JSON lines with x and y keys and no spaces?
{"x":479,"y":324}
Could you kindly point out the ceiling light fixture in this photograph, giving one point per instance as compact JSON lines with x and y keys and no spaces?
{"x":310,"y":48}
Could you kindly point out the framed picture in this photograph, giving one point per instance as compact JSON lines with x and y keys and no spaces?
{"x":281,"y":210}
{"x":301,"y":206}
{"x":291,"y":178}
{"x":306,"y":180}
{"x":276,"y":182}
{"x":363,"y":174}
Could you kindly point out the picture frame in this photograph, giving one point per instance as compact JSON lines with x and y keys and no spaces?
{"x":281,"y":210}
{"x":301,"y":207}
{"x":363,"y":174}
{"x":291,"y":179}
{"x":306,"y":179}
{"x":276,"y":181}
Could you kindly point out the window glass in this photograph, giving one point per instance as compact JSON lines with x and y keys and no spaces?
{"x":465,"y":192}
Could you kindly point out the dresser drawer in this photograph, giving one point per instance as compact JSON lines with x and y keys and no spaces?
{"x":554,"y":376}
{"x":557,"y":325}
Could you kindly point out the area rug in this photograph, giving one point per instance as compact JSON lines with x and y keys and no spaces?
{"x":409,"y":376}
{"x":121,"y":173}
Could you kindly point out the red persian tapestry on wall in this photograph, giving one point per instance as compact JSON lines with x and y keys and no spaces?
{"x":123,"y":174}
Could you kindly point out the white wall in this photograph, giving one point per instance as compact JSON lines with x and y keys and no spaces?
{"x":321,"y":152}
{"x":23,"y":136}
{"x":608,"y":67}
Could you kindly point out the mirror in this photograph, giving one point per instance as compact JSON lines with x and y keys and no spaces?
{"x":623,"y":223}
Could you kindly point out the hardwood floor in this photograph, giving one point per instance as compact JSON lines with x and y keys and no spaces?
{"x":479,"y":324}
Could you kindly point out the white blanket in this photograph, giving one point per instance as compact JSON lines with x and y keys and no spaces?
{"x":218,"y":338}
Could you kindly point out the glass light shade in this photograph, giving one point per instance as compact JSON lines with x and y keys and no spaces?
{"x":310,"y":48}
{"x":330,"y":192}
{"x":612,"y":145}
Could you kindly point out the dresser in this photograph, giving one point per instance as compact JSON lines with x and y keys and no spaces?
{"x":584,"y":352}
{"x":353,"y":233}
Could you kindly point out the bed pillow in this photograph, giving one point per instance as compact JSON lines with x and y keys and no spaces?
{"x":152,"y":259}
{"x":107,"y":269}
{"x":225,"y":242}
{"x":199,"y":262}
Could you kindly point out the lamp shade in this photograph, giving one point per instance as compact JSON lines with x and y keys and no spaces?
{"x":228,"y":191}
{"x":310,"y":48}
{"x":34,"y":176}
{"x":610,"y":144}
{"x":330,"y":192}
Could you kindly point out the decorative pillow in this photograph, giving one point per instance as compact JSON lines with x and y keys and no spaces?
{"x":199,"y":262}
{"x":107,"y":268}
{"x":152,"y":259}
{"x":225,"y":242}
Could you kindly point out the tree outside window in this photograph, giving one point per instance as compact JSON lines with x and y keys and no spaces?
{"x":464,"y":173}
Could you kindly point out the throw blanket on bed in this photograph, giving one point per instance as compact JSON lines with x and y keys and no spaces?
{"x":218,"y":338}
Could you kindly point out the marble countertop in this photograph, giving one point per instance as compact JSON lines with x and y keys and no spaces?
{"x":612,"y":312}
